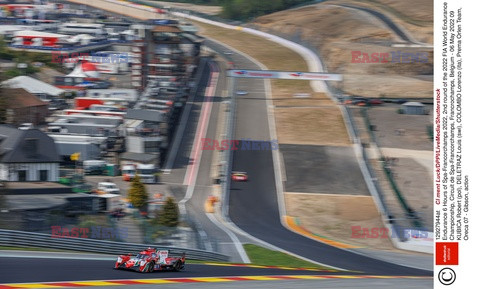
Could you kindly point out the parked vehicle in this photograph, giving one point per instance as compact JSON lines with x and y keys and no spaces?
{"x":94,"y":167}
{"x":25,"y":126}
{"x":360,"y":101}
{"x":146,"y":172}
{"x":108,"y":187}
{"x":375,"y":101}
{"x":77,"y":182}
{"x":128,"y":172}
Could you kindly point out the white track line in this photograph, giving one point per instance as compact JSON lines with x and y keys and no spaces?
{"x":235,"y":240}
{"x":192,"y":171}
{"x":196,"y":153}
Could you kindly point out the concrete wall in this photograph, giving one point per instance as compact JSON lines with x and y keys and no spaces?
{"x":10,"y":171}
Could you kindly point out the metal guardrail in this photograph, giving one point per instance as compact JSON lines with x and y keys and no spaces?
{"x":410,"y":213}
{"x":228,"y":154}
{"x":27,"y":239}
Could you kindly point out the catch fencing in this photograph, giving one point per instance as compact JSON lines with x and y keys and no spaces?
{"x":27,"y":239}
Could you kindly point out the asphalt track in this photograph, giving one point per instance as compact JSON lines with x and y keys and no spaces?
{"x":253,"y":205}
{"x":387,"y":21}
{"x":47,"y":270}
{"x":211,"y":236}
{"x":290,"y":284}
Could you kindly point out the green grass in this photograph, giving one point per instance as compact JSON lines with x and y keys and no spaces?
{"x":194,"y":261}
{"x":261,"y":256}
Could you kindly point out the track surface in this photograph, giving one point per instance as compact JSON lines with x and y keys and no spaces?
{"x":254,"y":208}
{"x":253,"y":205}
{"x":46,"y":270}
{"x":211,"y":237}
{"x":386,"y":20}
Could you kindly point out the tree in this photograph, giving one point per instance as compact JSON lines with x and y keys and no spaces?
{"x":3,"y":190}
{"x":3,"y":204}
{"x":138,"y":193}
{"x":168,"y":216}
{"x":3,"y":103}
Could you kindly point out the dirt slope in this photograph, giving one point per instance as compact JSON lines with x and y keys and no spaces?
{"x":336,"y":31}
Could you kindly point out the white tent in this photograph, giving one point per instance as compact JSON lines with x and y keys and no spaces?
{"x":33,"y":85}
{"x":85,"y":69}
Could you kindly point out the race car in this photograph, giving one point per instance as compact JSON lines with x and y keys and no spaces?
{"x":239,"y":176}
{"x":151,"y":260}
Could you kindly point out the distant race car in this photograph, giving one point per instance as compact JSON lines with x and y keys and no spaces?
{"x":242,"y":92}
{"x":239,"y":176}
{"x":375,"y":101}
{"x":151,"y":260}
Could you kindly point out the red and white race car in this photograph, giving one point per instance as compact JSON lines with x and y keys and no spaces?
{"x":239,"y":176}
{"x":151,"y":260}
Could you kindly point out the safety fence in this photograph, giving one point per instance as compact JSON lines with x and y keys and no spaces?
{"x":409,"y":212}
{"x":27,"y":239}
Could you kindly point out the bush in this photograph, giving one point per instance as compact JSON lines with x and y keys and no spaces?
{"x":14,"y":72}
